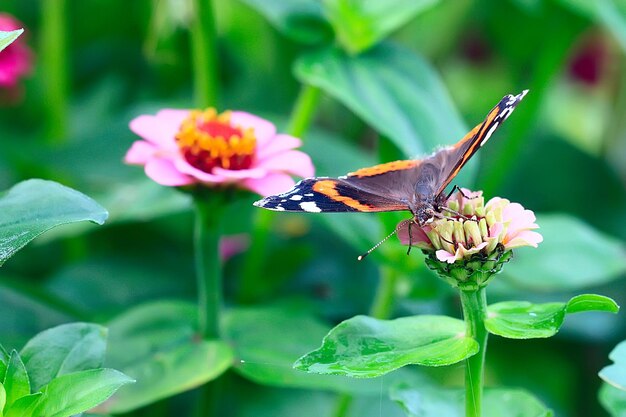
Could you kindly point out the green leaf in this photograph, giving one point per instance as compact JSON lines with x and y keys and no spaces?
{"x":74,"y":393}
{"x":269,"y":340}
{"x":616,"y":374}
{"x":62,"y":350}
{"x":613,"y":400}
{"x":578,"y":258}
{"x":445,"y":402}
{"x":391,"y":88}
{"x":7,"y":38}
{"x":157,"y":344}
{"x":365,"y":347}
{"x":360,"y":24}
{"x":3,"y":397}
{"x":35,"y":206}
{"x":25,"y":406}
{"x":4,"y":362}
{"x":524,"y":320}
{"x":300,"y":20}
{"x":16,"y":382}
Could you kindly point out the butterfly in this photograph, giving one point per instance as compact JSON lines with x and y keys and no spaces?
{"x":416,"y":185}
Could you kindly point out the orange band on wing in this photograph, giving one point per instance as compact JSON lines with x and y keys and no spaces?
{"x":329,"y":189}
{"x":383,"y":168}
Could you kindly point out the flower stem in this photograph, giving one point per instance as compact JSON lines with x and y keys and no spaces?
{"x":474,"y":309}
{"x":208,"y":265}
{"x":204,"y":51}
{"x":54,"y":68}
{"x":304,"y":110}
{"x":382,"y":305}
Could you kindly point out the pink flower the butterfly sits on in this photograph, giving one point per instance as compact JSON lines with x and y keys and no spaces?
{"x":16,"y":59}
{"x":185,"y":147}
{"x":453,"y":238}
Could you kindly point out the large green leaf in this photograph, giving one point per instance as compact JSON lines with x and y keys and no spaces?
{"x":267,"y":341}
{"x":394,"y":90}
{"x":6,"y":38}
{"x":573,"y":255}
{"x":360,"y":24}
{"x":524,"y":320}
{"x":445,"y":402}
{"x":300,"y":20}
{"x":15,"y":382}
{"x":25,"y":406}
{"x":62,"y":350}
{"x":34,"y":206}
{"x":157,"y":344}
{"x":80,"y":391}
{"x":365,"y":347}
{"x":616,"y":374}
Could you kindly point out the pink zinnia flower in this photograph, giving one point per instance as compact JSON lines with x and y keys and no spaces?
{"x":184,"y":147}
{"x":481,"y":228}
{"x":15,"y":59}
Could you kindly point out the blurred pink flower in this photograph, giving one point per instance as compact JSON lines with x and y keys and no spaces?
{"x":184,"y":147}
{"x":232,"y":245}
{"x":16,"y":59}
{"x":499,"y":222}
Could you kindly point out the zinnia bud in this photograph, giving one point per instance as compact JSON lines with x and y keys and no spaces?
{"x":468,"y":248}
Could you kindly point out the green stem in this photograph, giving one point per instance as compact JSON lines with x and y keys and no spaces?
{"x":208,"y":265}
{"x":204,"y":51}
{"x":342,"y":405}
{"x":474,"y":310}
{"x":382,"y":305}
{"x":304,"y":110}
{"x":53,"y":58}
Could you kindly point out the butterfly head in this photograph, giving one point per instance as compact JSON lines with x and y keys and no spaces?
{"x":424,"y":214}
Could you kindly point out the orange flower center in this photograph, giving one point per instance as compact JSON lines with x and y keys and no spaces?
{"x":208,"y":140}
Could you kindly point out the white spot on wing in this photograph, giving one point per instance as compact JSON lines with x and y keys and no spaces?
{"x":310,"y":207}
{"x":488,"y":135}
{"x":280,"y":208}
{"x":296,"y":197}
{"x":309,"y":195}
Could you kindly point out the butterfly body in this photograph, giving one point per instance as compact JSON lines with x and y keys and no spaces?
{"x":416,"y":185}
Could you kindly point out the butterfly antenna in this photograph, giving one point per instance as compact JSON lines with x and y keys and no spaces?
{"x":373,"y":248}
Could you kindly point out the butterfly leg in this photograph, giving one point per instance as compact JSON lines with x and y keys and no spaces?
{"x":455,"y":188}
{"x":408,"y":251}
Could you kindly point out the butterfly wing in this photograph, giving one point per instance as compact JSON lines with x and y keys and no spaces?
{"x":384,"y":187}
{"x":452,"y":159}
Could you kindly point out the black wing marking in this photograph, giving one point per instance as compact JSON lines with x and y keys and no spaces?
{"x":329,"y":195}
{"x":452,"y":159}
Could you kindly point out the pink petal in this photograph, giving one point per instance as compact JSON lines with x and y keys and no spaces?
{"x":263,"y":129}
{"x":174,"y":116}
{"x":155,"y":129}
{"x":496,"y":229}
{"x":418,"y":236}
{"x":525,"y":238}
{"x":183,"y":166}
{"x":280,"y":143}
{"x":140,"y":152}
{"x":294,"y":162}
{"x":240,"y":173}
{"x":163,"y":172}
{"x":273,"y":183}
{"x":445,"y":256}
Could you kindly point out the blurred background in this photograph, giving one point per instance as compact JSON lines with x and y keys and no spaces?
{"x":415,"y":76}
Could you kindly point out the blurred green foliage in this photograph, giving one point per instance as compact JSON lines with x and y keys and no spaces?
{"x":397,"y":79}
